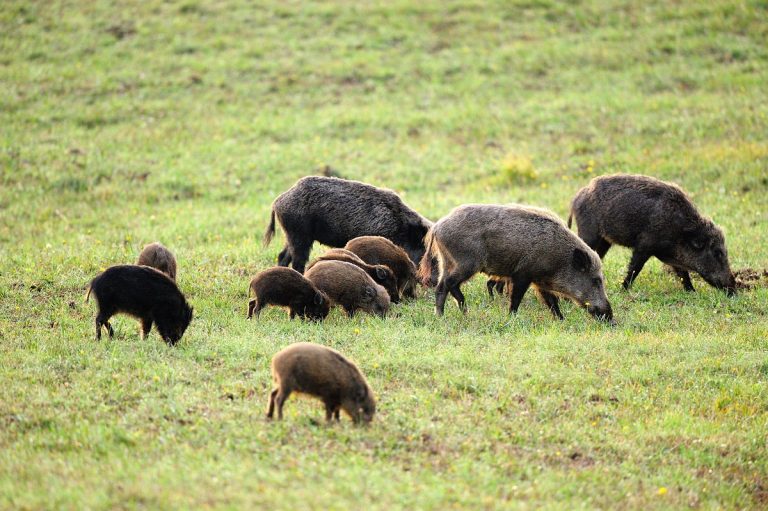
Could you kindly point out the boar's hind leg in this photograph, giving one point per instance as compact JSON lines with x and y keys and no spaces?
{"x":282,"y":395}
{"x":519,"y":287}
{"x":636,"y":263}
{"x":284,"y":258}
{"x":271,"y":406}
{"x":146,"y":326}
{"x":102,"y":319}
{"x":441,"y":293}
{"x":685,"y":278}
{"x":551,"y":301}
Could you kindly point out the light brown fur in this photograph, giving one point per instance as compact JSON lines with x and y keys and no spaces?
{"x":380,"y":250}
{"x":380,"y":273}
{"x":349,"y":287}
{"x":159,"y":257}
{"x":324,"y":373}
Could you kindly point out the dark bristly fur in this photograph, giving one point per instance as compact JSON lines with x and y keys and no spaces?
{"x":379,"y":250}
{"x":158,"y":256}
{"x":325,"y":373}
{"x":349,"y":286}
{"x":144,"y":293}
{"x":334,"y":211}
{"x":287,"y":288}
{"x":380,"y":273}
{"x":653,"y":218}
{"x":530,"y":246}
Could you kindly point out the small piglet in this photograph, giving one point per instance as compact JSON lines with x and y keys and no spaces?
{"x":287,"y":288}
{"x":349,"y":286}
{"x":530,"y":246}
{"x":145,"y":293}
{"x":654,"y":218}
{"x":379,"y":250}
{"x":157,"y":256}
{"x":324,"y":373}
{"x":380,"y":273}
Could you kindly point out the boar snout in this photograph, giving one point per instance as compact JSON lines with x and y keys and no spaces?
{"x":602,"y":313}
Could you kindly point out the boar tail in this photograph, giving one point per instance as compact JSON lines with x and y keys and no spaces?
{"x":570,"y":218}
{"x":88,"y":294}
{"x":270,"y":229}
{"x":425,"y":267}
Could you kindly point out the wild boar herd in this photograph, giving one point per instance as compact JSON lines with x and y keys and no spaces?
{"x":382,"y":249}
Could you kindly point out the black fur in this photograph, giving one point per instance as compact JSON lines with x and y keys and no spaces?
{"x":144,"y":293}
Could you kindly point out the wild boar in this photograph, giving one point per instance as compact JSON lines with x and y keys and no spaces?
{"x":529,"y":245}
{"x":287,"y":288}
{"x":333,"y":211}
{"x":653,"y":218}
{"x":380,"y":273}
{"x":379,"y":250}
{"x":324,"y":373}
{"x":349,"y":287}
{"x":144,"y":293}
{"x":157,"y":256}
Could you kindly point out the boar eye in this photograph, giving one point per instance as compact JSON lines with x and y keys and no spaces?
{"x":697,"y":244}
{"x":596,"y":281}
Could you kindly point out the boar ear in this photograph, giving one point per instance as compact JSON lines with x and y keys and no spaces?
{"x":369,"y":292}
{"x":381,"y":273}
{"x":318,"y":298}
{"x":581,"y":260}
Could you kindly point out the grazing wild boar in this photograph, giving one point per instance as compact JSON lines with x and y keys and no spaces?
{"x":653,"y":218}
{"x":157,"y":256}
{"x":333,"y":211}
{"x":144,"y":293}
{"x":287,"y":288}
{"x":324,"y":373}
{"x":379,"y":250}
{"x":529,"y":245}
{"x":380,"y":273}
{"x":349,"y":286}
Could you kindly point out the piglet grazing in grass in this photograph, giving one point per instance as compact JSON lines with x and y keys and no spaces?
{"x":379,"y":250}
{"x":653,"y":218}
{"x":350,"y":287}
{"x":157,"y":256}
{"x":287,"y":288}
{"x":145,"y":293}
{"x":380,"y":273}
{"x":323,"y":373}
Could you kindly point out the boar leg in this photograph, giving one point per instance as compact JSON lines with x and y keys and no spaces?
{"x":441,"y":293}
{"x":336,"y":414}
{"x":98,"y":328}
{"x":146,"y":326}
{"x":280,"y":398}
{"x":300,"y":254}
{"x":685,"y":277}
{"x":251,"y":305}
{"x":284,"y":258}
{"x":271,"y":407}
{"x":519,"y":287}
{"x":551,"y":301}
{"x":350,"y":311}
{"x":490,"y":285}
{"x":636,"y":263}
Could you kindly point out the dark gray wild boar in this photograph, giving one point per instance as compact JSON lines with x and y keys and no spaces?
{"x":144,"y":293}
{"x":653,"y":218}
{"x":529,"y":245}
{"x":379,"y":250}
{"x":324,"y":373}
{"x":287,"y":288}
{"x":380,"y":273}
{"x":157,"y":256}
{"x":349,"y":287}
{"x":334,"y":211}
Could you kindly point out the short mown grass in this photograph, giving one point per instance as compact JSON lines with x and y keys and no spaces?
{"x":126,"y":123}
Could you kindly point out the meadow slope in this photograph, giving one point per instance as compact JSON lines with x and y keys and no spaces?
{"x":123,"y":123}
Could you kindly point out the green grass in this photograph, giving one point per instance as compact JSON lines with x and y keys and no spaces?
{"x":123,"y":123}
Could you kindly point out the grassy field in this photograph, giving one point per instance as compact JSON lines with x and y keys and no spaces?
{"x":123,"y":123}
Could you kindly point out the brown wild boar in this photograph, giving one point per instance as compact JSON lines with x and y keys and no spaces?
{"x":349,"y":286}
{"x":157,"y":256}
{"x":379,"y":250}
{"x":380,"y":273}
{"x":144,"y":293}
{"x":287,"y":288}
{"x":333,"y":211}
{"x":653,"y":218}
{"x":529,"y":245}
{"x":324,"y":373}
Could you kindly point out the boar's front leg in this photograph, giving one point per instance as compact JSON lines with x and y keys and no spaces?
{"x":551,"y":301}
{"x":146,"y":326}
{"x":519,"y":287}
{"x":636,"y":263}
{"x":685,"y":278}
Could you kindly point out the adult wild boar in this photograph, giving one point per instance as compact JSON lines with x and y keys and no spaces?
{"x":529,"y":245}
{"x":654,"y":218}
{"x":333,"y":211}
